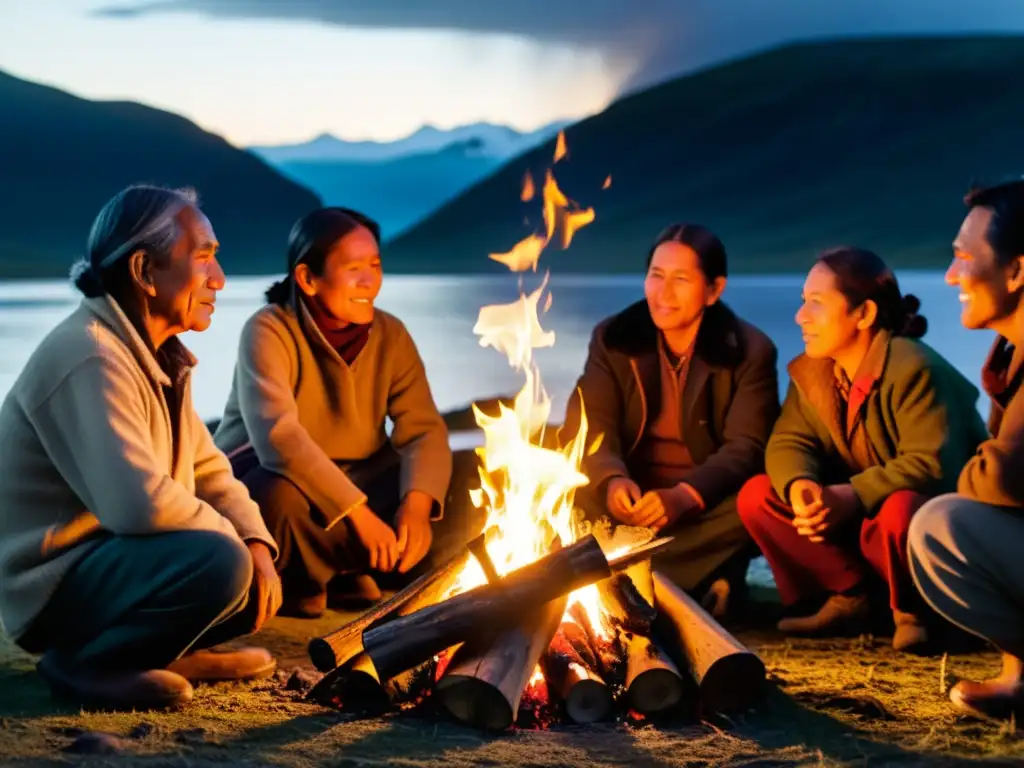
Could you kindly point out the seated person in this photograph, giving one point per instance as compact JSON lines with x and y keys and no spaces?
{"x":965,"y":548}
{"x":319,"y":371}
{"x":873,"y":424}
{"x":685,"y":394}
{"x":126,"y":544}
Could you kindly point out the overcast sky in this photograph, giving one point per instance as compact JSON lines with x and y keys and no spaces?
{"x":270,"y":71}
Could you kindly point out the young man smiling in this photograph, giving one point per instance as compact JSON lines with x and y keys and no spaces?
{"x":965,"y":548}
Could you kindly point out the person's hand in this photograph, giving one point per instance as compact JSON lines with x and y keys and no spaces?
{"x":376,"y":536}
{"x":268,"y":584}
{"x":621,"y":496}
{"x":661,"y":508}
{"x":412,"y":524}
{"x":805,"y":498}
{"x":839,"y":503}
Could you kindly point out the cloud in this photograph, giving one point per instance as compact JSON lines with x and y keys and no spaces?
{"x":658,"y":38}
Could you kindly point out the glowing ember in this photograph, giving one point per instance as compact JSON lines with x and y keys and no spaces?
{"x":607,"y":182}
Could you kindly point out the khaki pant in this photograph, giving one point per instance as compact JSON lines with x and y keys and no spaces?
{"x":967,"y":559}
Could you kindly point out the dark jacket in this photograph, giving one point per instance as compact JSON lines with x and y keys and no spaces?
{"x":730,"y":401}
{"x":919,"y":416}
{"x":995,"y":475}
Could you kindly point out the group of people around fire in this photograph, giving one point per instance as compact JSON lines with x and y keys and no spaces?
{"x":134,"y":541}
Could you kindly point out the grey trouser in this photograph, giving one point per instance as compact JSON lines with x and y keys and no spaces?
{"x":140,"y":602}
{"x":967,"y":559}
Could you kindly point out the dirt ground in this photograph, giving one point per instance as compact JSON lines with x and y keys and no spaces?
{"x":842,"y":702}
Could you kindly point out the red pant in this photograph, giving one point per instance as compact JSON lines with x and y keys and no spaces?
{"x":805,"y":569}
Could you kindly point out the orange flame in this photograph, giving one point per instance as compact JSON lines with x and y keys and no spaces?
{"x":560,"y":148}
{"x":524,"y":255}
{"x":528,"y":189}
{"x":526,"y":488}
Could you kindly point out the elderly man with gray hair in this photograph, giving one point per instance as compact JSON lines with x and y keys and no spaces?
{"x":127,"y":547}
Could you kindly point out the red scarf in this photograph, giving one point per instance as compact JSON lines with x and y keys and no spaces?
{"x":348,"y":339}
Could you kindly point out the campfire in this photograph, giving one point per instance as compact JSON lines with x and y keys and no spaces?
{"x":544,"y":616}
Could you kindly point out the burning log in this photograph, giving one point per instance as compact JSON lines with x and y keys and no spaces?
{"x":356,"y":687}
{"x":334,"y":649}
{"x":484,"y":682}
{"x":570,"y":669}
{"x":653,"y":682}
{"x":729,"y":675}
{"x":406,"y":641}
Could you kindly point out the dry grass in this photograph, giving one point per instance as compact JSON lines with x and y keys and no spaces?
{"x":832,"y":703}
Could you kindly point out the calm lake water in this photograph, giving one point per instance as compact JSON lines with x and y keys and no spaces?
{"x":441,"y":311}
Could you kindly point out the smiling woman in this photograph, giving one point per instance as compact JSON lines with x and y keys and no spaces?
{"x":685,"y":394}
{"x":320,"y":370}
{"x":874,"y":423}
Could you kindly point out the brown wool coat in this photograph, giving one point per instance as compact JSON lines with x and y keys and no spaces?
{"x":729,"y":404}
{"x":995,"y":475}
{"x":305,"y":411}
{"x":919,"y":425}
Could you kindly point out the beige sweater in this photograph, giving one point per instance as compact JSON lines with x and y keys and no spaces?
{"x":304,"y":410}
{"x":86,"y":445}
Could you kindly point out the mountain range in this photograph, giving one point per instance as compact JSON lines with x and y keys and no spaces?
{"x":480,"y":139}
{"x":870,"y":142}
{"x":63,"y":157}
{"x":866,"y":142}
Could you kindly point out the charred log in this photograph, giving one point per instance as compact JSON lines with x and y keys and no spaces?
{"x":730,"y":676}
{"x":478,"y":614}
{"x":485,"y":680}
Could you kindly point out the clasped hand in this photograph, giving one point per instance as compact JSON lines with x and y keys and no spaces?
{"x":402,"y":546}
{"x":654,"y":509}
{"x":819,"y":510}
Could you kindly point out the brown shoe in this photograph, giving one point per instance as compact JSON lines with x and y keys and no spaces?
{"x":990,"y":700}
{"x":911,"y":635}
{"x":308,"y":607}
{"x":840,"y":615}
{"x":116,"y":690}
{"x":354,"y":592}
{"x":209,"y":666}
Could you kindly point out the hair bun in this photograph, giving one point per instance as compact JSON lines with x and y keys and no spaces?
{"x":914,"y":325}
{"x":85,"y":278}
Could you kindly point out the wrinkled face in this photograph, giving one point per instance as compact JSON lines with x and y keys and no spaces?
{"x":351,"y":279}
{"x":676,"y":290}
{"x":989,"y":292}
{"x":184,"y":288}
{"x":828,"y":323}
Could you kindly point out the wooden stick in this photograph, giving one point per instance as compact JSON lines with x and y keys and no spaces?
{"x":483,"y":684}
{"x":570,"y":670}
{"x":485,"y":611}
{"x":653,"y":682}
{"x":334,"y":649}
{"x":729,"y":674}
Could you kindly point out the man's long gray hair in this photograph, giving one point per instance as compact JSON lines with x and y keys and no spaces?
{"x":138,"y":218}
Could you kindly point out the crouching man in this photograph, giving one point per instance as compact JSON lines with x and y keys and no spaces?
{"x":965,"y":548}
{"x":127,"y":547}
